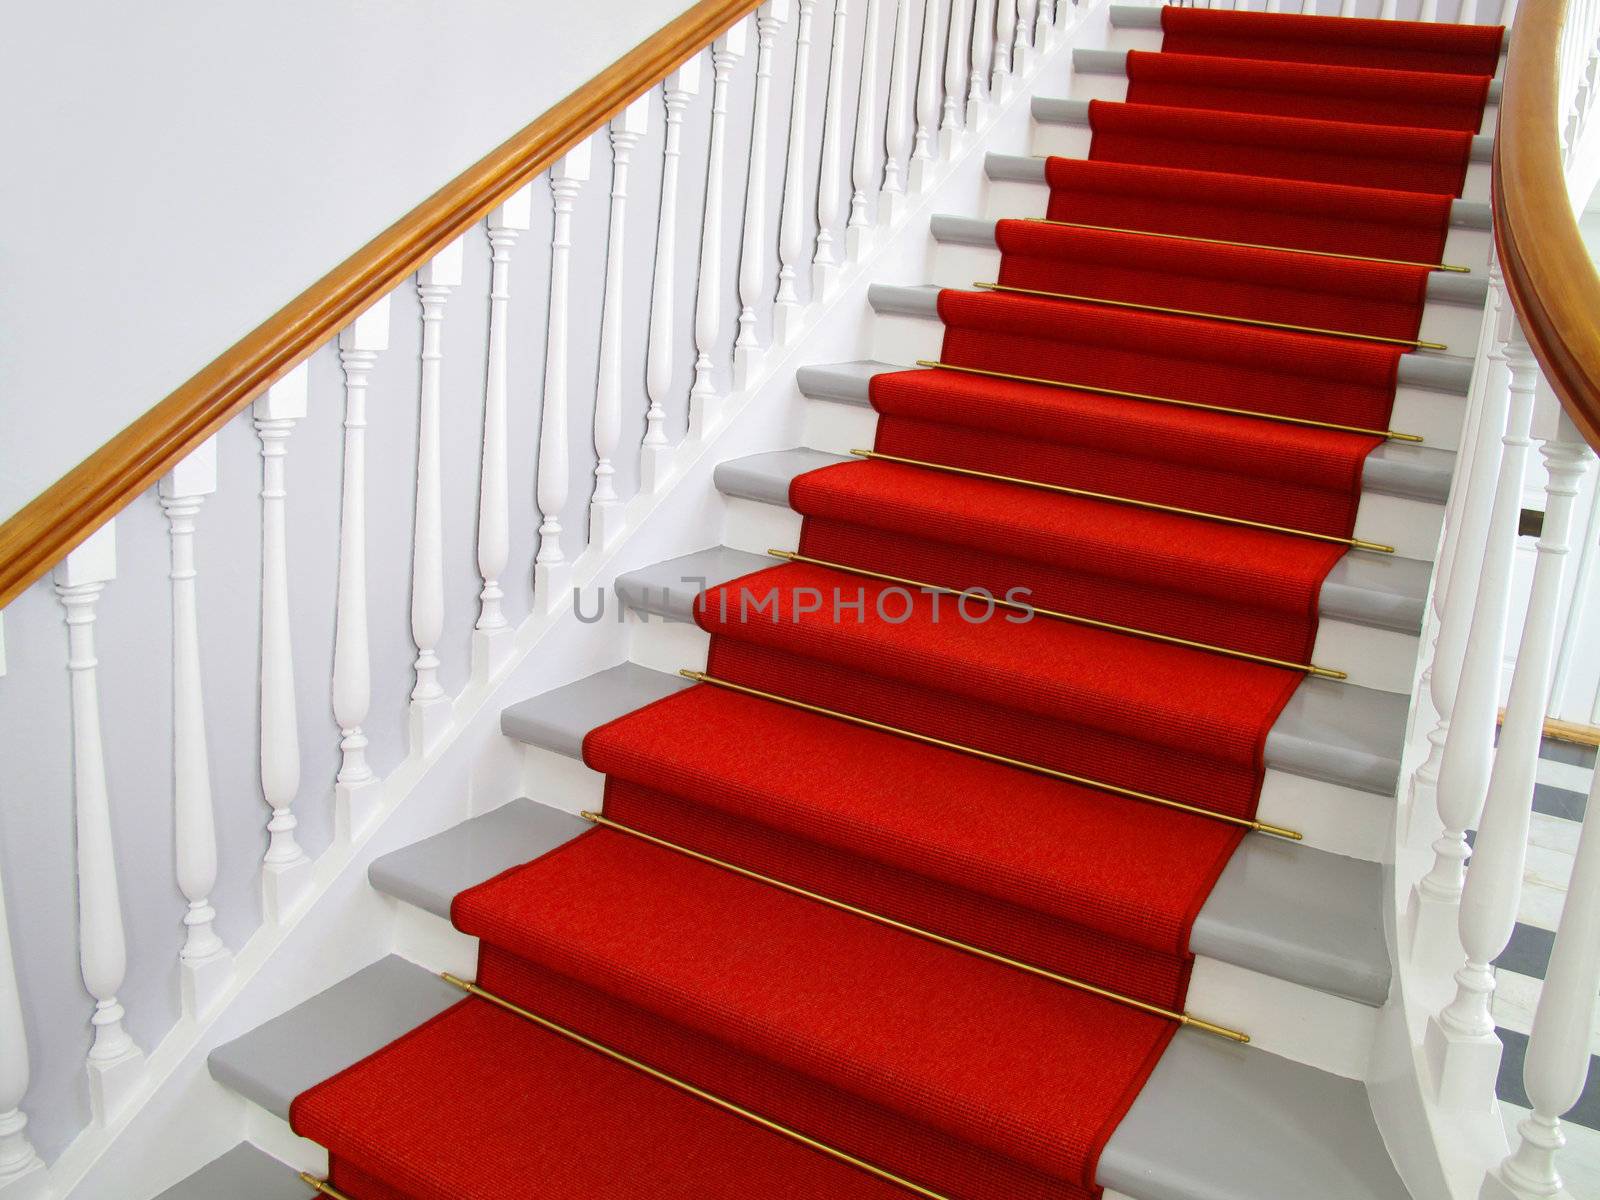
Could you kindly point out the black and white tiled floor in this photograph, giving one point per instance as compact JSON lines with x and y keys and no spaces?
{"x":1565,"y":774}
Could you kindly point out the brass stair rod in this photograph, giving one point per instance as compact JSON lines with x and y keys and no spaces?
{"x":990,"y":756}
{"x":1355,"y":543}
{"x":323,"y":1187}
{"x":1183,"y":237}
{"x":660,"y":1076}
{"x":1233,"y":1035}
{"x":1070,"y":618}
{"x":1218,"y":408}
{"x":1256,"y":322}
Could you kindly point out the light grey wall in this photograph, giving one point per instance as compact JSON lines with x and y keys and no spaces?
{"x":134,"y":628}
{"x":178,"y":171}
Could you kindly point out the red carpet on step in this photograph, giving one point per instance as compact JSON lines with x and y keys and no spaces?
{"x":973,"y":1077}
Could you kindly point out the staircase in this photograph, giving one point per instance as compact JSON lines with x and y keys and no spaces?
{"x":825,"y":916}
{"x":1011,"y":785}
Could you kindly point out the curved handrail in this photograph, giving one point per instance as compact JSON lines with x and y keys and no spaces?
{"x":59,"y":518}
{"x":1548,"y":273}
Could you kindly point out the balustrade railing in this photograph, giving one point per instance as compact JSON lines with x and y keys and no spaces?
{"x":461,"y":384}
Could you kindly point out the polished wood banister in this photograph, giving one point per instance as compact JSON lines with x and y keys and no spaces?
{"x":59,"y":518}
{"x":1548,"y":273}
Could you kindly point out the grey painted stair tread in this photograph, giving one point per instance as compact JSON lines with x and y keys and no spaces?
{"x":1027,"y":168}
{"x":558,"y":720}
{"x":276,"y":1061}
{"x":1218,"y":1121}
{"x":1115,"y":62}
{"x":243,"y":1173}
{"x":432,"y":872}
{"x":1289,"y":911}
{"x":1331,"y":731}
{"x":1443,"y":286}
{"x":1054,"y":110}
{"x":1378,"y":590}
{"x":1425,"y":369}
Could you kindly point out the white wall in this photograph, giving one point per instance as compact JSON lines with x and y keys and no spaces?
{"x":175,"y":172}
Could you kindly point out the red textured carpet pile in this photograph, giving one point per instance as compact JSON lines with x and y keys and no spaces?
{"x":968,"y":1076}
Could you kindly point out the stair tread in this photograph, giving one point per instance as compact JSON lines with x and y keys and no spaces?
{"x":322,"y":1035}
{"x":1384,"y":591}
{"x":1289,"y":911}
{"x":1394,"y":468}
{"x":243,"y":1173}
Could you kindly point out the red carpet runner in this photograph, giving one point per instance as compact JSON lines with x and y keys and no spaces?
{"x":968,"y":1076}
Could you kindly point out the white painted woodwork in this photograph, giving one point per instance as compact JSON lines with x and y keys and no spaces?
{"x":430,"y":707}
{"x":792,"y":220}
{"x":1309,"y":7}
{"x":1004,"y":41}
{"x":703,"y":396}
{"x":1463,"y":1045}
{"x":1027,"y":18}
{"x":922,"y":156}
{"x":1557,"y":1061}
{"x":491,"y":639}
{"x":1464,"y":767}
{"x":116,"y":1064}
{"x":605,"y":510}
{"x":1429,"y":11}
{"x":868,"y":141}
{"x":1386,"y":9}
{"x":660,"y":360}
{"x":747,"y":347}
{"x":953,"y":121}
{"x":983,"y":56}
{"x":205,"y":965}
{"x":356,"y":789}
{"x":1045,"y":25}
{"x":1469,"y":537}
{"x":826,"y":262}
{"x":898,"y":122}
{"x":20,"y":1166}
{"x":1347,"y":8}
{"x":286,"y":869}
{"x":550,"y":568}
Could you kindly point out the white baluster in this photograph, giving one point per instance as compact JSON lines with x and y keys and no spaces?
{"x":703,"y":398}
{"x":791,"y":222}
{"x":1557,"y":1062}
{"x":1044,"y":28}
{"x":825,"y":263}
{"x":1387,"y":9}
{"x":286,"y":869}
{"x":492,"y":638}
{"x":1429,"y":11}
{"x":659,"y":365}
{"x":430,"y":707}
{"x":747,"y":348}
{"x":1464,"y":768}
{"x":605,"y":510}
{"x":864,"y":166}
{"x":550,"y":566}
{"x":983,"y":19}
{"x":22,"y":1173}
{"x":922,"y":157}
{"x":1022,"y":53}
{"x":1478,"y":472}
{"x":357,"y":792}
{"x":1462,"y":1048}
{"x":116,"y":1064}
{"x":897,"y":135}
{"x":1347,"y":8}
{"x":1004,"y":43}
{"x":204,"y":962}
{"x":1308,"y":6}
{"x":953,"y":125}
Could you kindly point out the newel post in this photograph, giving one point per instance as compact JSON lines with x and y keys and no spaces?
{"x":116,"y":1065}
{"x":205,"y":963}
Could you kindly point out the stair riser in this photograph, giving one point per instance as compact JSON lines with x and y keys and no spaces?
{"x":1072,"y":141}
{"x":1375,"y":658}
{"x":1435,"y":416}
{"x":956,"y":265}
{"x":1014,"y":198}
{"x":1100,"y":85}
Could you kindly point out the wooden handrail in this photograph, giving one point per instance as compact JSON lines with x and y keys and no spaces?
{"x":59,"y":518}
{"x":1548,"y":273}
